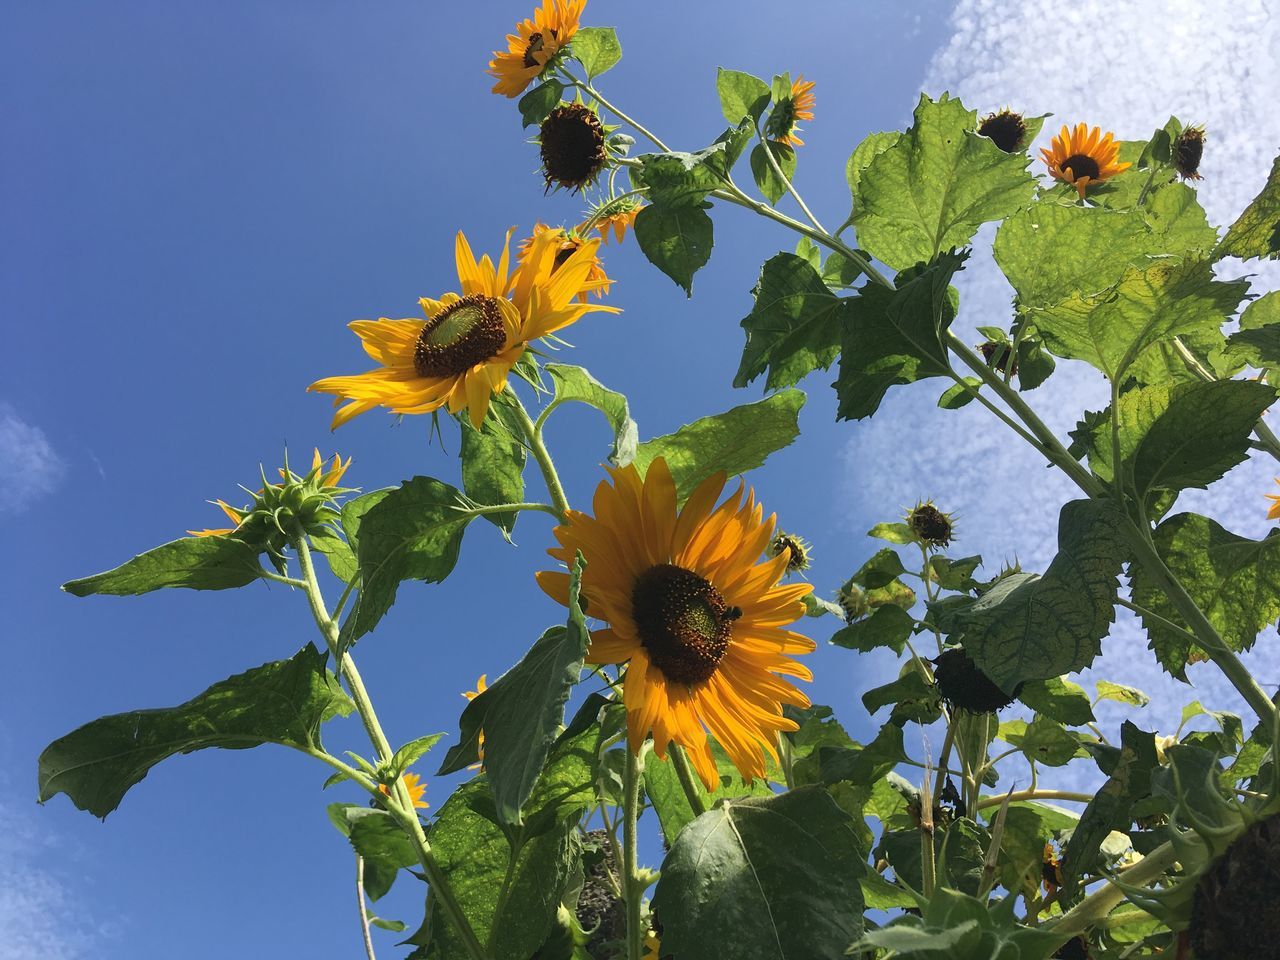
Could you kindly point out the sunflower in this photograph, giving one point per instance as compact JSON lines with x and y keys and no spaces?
{"x":652,"y":946}
{"x":616,"y":215}
{"x":1274,"y":512}
{"x":481,"y":686}
{"x":1006,"y":129}
{"x":573,"y":145}
{"x":1188,"y":151}
{"x":789,"y":111}
{"x":329,"y":478}
{"x":1083,"y":156}
{"x":534,"y":44}
{"x":417,"y":790}
{"x":700,"y":620}
{"x":235,"y":516}
{"x":460,"y":355}
{"x":570,"y":242}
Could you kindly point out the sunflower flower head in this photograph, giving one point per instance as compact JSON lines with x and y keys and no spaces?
{"x":1006,"y":129}
{"x":570,"y":241}
{"x":460,"y":355}
{"x":700,"y":620}
{"x":534,"y":45}
{"x":798,"y":550}
{"x":784,"y":120}
{"x":964,"y":687}
{"x":1188,"y":151}
{"x":417,"y":790}
{"x":930,"y":525}
{"x":615,"y":215}
{"x":574,"y":146}
{"x":1083,"y":156}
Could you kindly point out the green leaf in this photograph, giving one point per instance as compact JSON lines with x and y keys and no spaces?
{"x":671,"y":804}
{"x":871,"y":147}
{"x":1044,"y":740}
{"x":1035,"y":363}
{"x":377,"y":838}
{"x":741,"y":95}
{"x":933,"y":188}
{"x":1122,"y":694}
{"x":1235,"y":582}
{"x":198,"y":563}
{"x":953,"y":398}
{"x":913,"y":696}
{"x":1179,"y":222}
{"x":1028,"y":627}
{"x":896,"y":336}
{"x":576,"y":384}
{"x":859,"y":765}
{"x":412,"y":533}
{"x":282,"y":702}
{"x":535,"y":105}
{"x":342,"y":559}
{"x":1258,"y":341}
{"x":882,"y":569}
{"x":888,"y":626}
{"x":1059,"y":699}
{"x":763,"y":877}
{"x":771,"y":185}
{"x":893,"y":532}
{"x":1257,"y":232}
{"x":734,"y":442}
{"x":493,"y":466}
{"x":678,"y":179}
{"x":795,"y":326}
{"x":522,"y":712}
{"x":596,"y":48}
{"x":677,"y":240}
{"x":1111,"y":329}
{"x":411,"y":753}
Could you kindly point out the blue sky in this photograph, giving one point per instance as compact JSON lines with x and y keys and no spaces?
{"x":199,"y":197}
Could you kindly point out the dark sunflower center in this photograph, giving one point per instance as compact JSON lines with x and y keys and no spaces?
{"x":1005,"y":129}
{"x":930,"y":524}
{"x":535,"y":46}
{"x":573,"y":149}
{"x":684,"y":622}
{"x":468,"y":332}
{"x":1080,"y":165}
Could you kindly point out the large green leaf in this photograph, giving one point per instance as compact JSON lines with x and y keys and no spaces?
{"x":576,"y":384}
{"x":412,"y":533}
{"x":935,"y":186}
{"x":1111,"y":329}
{"x":1257,"y":232}
{"x":771,"y":185}
{"x":735,"y":441}
{"x":679,"y":180}
{"x":795,"y":326}
{"x":283,"y":702}
{"x":198,"y":563}
{"x":522,"y":712}
{"x":1258,"y":341}
{"x":1178,"y":221}
{"x":597,"y":49}
{"x":887,"y":626}
{"x":896,"y":336}
{"x":1032,"y":628}
{"x":677,"y":240}
{"x":379,"y":840}
{"x":535,"y":105}
{"x":493,"y":465}
{"x":1058,"y":698}
{"x":741,"y":95}
{"x":763,"y":877}
{"x":871,"y":147}
{"x":671,"y":803}
{"x":1234,"y":580}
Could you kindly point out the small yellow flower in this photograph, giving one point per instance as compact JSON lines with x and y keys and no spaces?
{"x":652,"y":946}
{"x":1274,"y":512}
{"x":234,"y":515}
{"x":534,"y":44}
{"x":784,"y":120}
{"x":481,"y":686}
{"x":416,"y":789}
{"x":1083,"y":156}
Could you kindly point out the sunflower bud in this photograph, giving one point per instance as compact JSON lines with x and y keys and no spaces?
{"x":797,"y":549}
{"x":964,"y":687}
{"x":931,"y":526}
{"x":999,"y":356}
{"x":573,"y":146}
{"x":852,"y":601}
{"x":1188,"y":150}
{"x":1234,"y":914}
{"x":1006,"y":129}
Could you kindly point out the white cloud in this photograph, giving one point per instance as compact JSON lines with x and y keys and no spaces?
{"x":1126,"y":67}
{"x":29,"y":466}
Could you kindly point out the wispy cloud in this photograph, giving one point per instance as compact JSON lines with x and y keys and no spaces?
{"x":1132,"y":66}
{"x":29,"y":466}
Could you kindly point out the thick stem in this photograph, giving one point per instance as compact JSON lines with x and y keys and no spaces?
{"x":688,"y":780}
{"x":364,"y":913}
{"x":786,"y":181}
{"x":1035,"y":795}
{"x":1101,"y":902}
{"x":633,"y":775}
{"x":533,"y":436}
{"x":635,"y":124}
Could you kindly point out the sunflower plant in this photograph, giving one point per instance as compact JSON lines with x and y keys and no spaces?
{"x":669,"y":693}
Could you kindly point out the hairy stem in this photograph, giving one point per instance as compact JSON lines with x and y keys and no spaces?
{"x":688,"y":780}
{"x":1035,"y":795}
{"x":533,"y":437}
{"x":1101,"y":902}
{"x":633,"y":777}
{"x":364,"y":912}
{"x":786,"y":181}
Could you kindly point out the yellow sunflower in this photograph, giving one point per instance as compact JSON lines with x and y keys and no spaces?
{"x":460,"y":355}
{"x":570,"y":241}
{"x":1272,"y":514}
{"x":787,"y":113}
{"x":534,"y":44}
{"x":617,"y":217}
{"x":417,"y":790}
{"x":1083,"y":156}
{"x":481,"y":686}
{"x":329,"y":479}
{"x":690,"y":606}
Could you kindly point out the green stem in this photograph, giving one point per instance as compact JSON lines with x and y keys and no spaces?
{"x":1267,"y":440}
{"x":364,"y":912}
{"x":688,"y":781}
{"x":1093,"y":908}
{"x":1035,"y":795}
{"x":1153,"y":616}
{"x":786,"y":181}
{"x":399,"y":804}
{"x":266,"y":574}
{"x":480,"y":511}
{"x":592,"y":91}
{"x":632,"y":779}
{"x":533,"y":437}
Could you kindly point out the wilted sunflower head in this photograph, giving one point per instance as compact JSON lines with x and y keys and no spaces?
{"x":1083,"y":156}
{"x":797,"y":549}
{"x":615,"y":215}
{"x":1188,"y":150}
{"x":852,"y":600}
{"x":572,"y":142}
{"x":569,"y":242}
{"x":999,"y":356}
{"x":964,"y":687}
{"x":700,"y":621}
{"x":1235,"y":914}
{"x":1006,"y":129}
{"x":930,"y":525}
{"x":783,"y":124}
{"x":534,"y":45}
